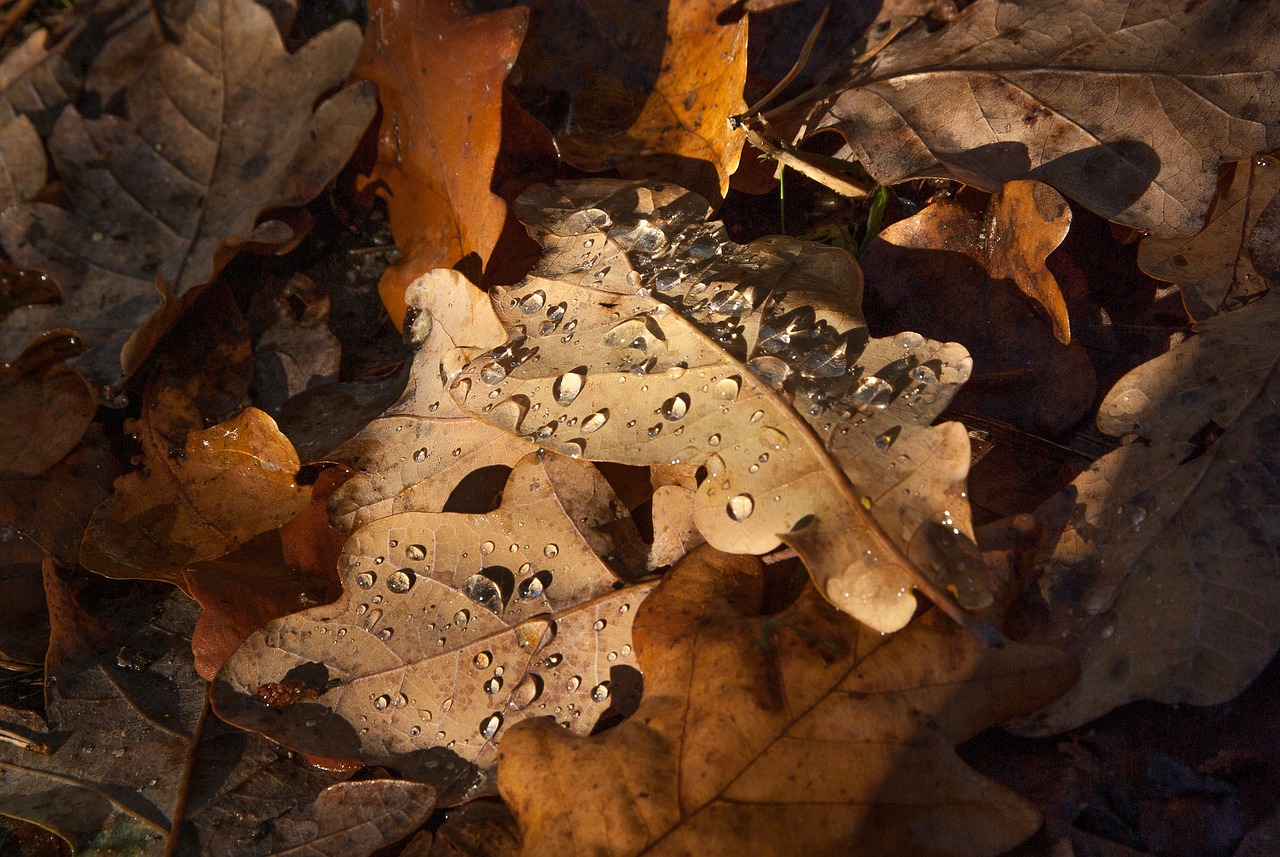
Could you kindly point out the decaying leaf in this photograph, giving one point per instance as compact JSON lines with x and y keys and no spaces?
{"x":1159,"y":569}
{"x":160,"y":200}
{"x":1128,"y":109}
{"x":295,"y":350}
{"x":659,"y":341}
{"x":45,"y":407}
{"x":1026,"y":221}
{"x":439,"y":72}
{"x":949,"y":273}
{"x":455,"y":627}
{"x":411,"y":458}
{"x":1213,"y":268}
{"x":37,"y":82}
{"x":199,"y":495}
{"x":23,"y":167}
{"x":804,"y":716}
{"x":647,"y":90}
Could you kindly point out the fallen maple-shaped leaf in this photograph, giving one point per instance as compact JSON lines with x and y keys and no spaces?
{"x":647,"y":91}
{"x":440,"y":74}
{"x":132,"y":762}
{"x":412,"y":457}
{"x":1159,"y":568}
{"x":160,"y":200}
{"x":1213,"y":268}
{"x":804,"y":716}
{"x":453,"y":628}
{"x":1126,"y":109}
{"x":199,"y":495}
{"x":659,"y":341}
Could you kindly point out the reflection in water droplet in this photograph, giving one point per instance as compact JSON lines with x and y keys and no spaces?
{"x":490,"y":725}
{"x":528,"y":690}
{"x":909,"y":340}
{"x":482,"y":660}
{"x":624,"y":608}
{"x":773,"y":438}
{"x":553,"y":660}
{"x":567,"y":387}
{"x":654,"y":430}
{"x":885,"y":440}
{"x":676,"y":407}
{"x":461,"y":618}
{"x":531,"y":588}
{"x":873,"y":391}
{"x":415,"y":731}
{"x":415,"y":553}
{"x":385,"y":634}
{"x":532,"y":302}
{"x":575,"y":447}
{"x":421,"y":455}
{"x":493,"y":685}
{"x":573,"y":683}
{"x":741,"y":507}
{"x":375,"y":616}
{"x":483,"y":591}
{"x":714,"y":440}
{"x":493,"y":373}
{"x":600,"y":692}
{"x":366,"y":579}
{"x":924,"y":375}
{"x":599,"y":624}
{"x":595,"y":421}
{"x":727,"y":388}
{"x":400,"y":581}
{"x":382,"y":702}
{"x":361,"y":609}
{"x":757,"y":416}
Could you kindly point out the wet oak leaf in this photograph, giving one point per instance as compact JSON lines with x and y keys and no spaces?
{"x":199,"y":495}
{"x":1159,"y":567}
{"x":1214,"y":268}
{"x":1127,"y":109}
{"x":804,"y":715}
{"x":1026,"y":221}
{"x":413,"y":456}
{"x":160,"y":200}
{"x":453,"y":628}
{"x":440,"y":74}
{"x":661,"y":342}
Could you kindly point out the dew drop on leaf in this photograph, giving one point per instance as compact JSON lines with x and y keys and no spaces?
{"x":400,"y":581}
{"x":567,"y":387}
{"x":528,"y":690}
{"x":416,"y":553}
{"x":600,"y":692}
{"x":483,"y":591}
{"x":727,"y":388}
{"x":741,"y":507}
{"x":599,"y":624}
{"x":385,"y":634}
{"x":382,"y":702}
{"x":493,"y":685}
{"x":573,"y":683}
{"x":551,"y":550}
{"x":596,"y":421}
{"x":532,"y":302}
{"x":490,"y":725}
{"x":676,"y":407}
{"x":421,"y":455}
{"x":366,"y":579}
{"x":486,"y":548}
{"x":461,"y":618}
{"x":493,"y":373}
{"x":482,"y":660}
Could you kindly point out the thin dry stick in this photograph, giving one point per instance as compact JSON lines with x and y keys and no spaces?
{"x":15,"y":15}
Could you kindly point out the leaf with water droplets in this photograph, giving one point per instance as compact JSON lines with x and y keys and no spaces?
{"x":453,"y":628}
{"x":753,"y":362}
{"x":1160,"y":568}
{"x":412,"y":457}
{"x":803,"y":715}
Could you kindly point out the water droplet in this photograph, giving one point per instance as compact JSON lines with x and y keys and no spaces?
{"x":486,"y":548}
{"x":773,"y":438}
{"x":573,"y":683}
{"x":654,"y":430}
{"x":360,"y":611}
{"x":531,"y":588}
{"x":386,"y":634}
{"x":624,"y":608}
{"x":482,"y":660}
{"x":727,"y":388}
{"x":416,"y":553}
{"x":595,"y":421}
{"x":553,"y":660}
{"x":600,"y":692}
{"x":379,"y":560}
{"x":884,"y":441}
{"x":551,"y":550}
{"x":611,"y":657}
{"x":421,"y":455}
{"x":714,"y":440}
{"x":873,"y":391}
{"x":599,"y":624}
{"x":461,"y":618}
{"x":741,"y":507}
{"x":382,"y":702}
{"x":924,"y":375}
{"x":493,"y":373}
{"x":528,"y":690}
{"x":366,"y":579}
{"x":555,"y":313}
{"x":567,"y":387}
{"x":375,"y":616}
{"x":909,"y":340}
{"x":490,"y":725}
{"x":483,"y":591}
{"x":493,"y":685}
{"x":676,"y":407}
{"x":462,"y":387}
{"x":415,"y":731}
{"x":532,"y":302}
{"x":400,"y":581}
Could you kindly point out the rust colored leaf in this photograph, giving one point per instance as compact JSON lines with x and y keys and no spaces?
{"x":1213,"y":268}
{"x":160,"y":200}
{"x":440,"y":73}
{"x":646,"y":88}
{"x":1127,"y":109}
{"x":453,"y":628}
{"x":199,"y":494}
{"x":953,"y":272}
{"x":414,"y":456}
{"x":45,"y":407}
{"x":659,"y":341}
{"x":804,"y":715}
{"x":1026,"y":221}
{"x":277,"y":573}
{"x":1159,"y":568}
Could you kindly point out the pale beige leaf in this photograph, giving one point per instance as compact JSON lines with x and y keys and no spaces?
{"x":453,"y":628}
{"x":1159,"y":570}
{"x":659,"y":341}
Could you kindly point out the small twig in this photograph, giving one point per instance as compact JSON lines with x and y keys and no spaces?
{"x":796,"y":68}
{"x":15,"y":15}
{"x":826,"y":171}
{"x":25,"y":743}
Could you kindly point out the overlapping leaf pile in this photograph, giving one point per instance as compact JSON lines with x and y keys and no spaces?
{"x":604,"y":527}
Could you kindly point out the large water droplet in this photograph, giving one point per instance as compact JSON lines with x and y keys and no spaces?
{"x":415,"y":553}
{"x":528,"y":690}
{"x":483,"y":591}
{"x":599,"y":624}
{"x":774,"y":439}
{"x":531,"y":588}
{"x":885,"y":440}
{"x":741,"y":507}
{"x":600,"y":692}
{"x":490,"y":725}
{"x":509,"y":414}
{"x":573,"y":683}
{"x":872,"y":392}
{"x":909,"y":340}
{"x":400,"y":581}
{"x":567,"y":387}
{"x":382,"y":702}
{"x":727,"y":388}
{"x":385,"y":634}
{"x":461,"y":618}
{"x":493,"y":685}
{"x":421,"y":455}
{"x":366,"y":579}
{"x":482,"y":660}
{"x":532,"y":302}
{"x":596,"y":421}
{"x":676,"y":407}
{"x":486,"y":548}
{"x":493,"y":373}
{"x":757,"y":416}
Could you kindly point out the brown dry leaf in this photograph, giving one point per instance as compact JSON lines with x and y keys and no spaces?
{"x":805,"y":716}
{"x":946,"y":273}
{"x":1159,"y":568}
{"x":23,"y":167}
{"x":440,"y":74}
{"x":136,"y":766}
{"x":646,"y":89}
{"x":159,"y":201}
{"x":413,"y":457}
{"x":295,"y":349}
{"x":45,"y":407}
{"x":1213,"y":268}
{"x":661,"y":342}
{"x":278,"y":573}
{"x":199,"y":494}
{"x":37,"y":82}
{"x":453,"y":628}
{"x":1026,"y":221}
{"x":1126,"y":109}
